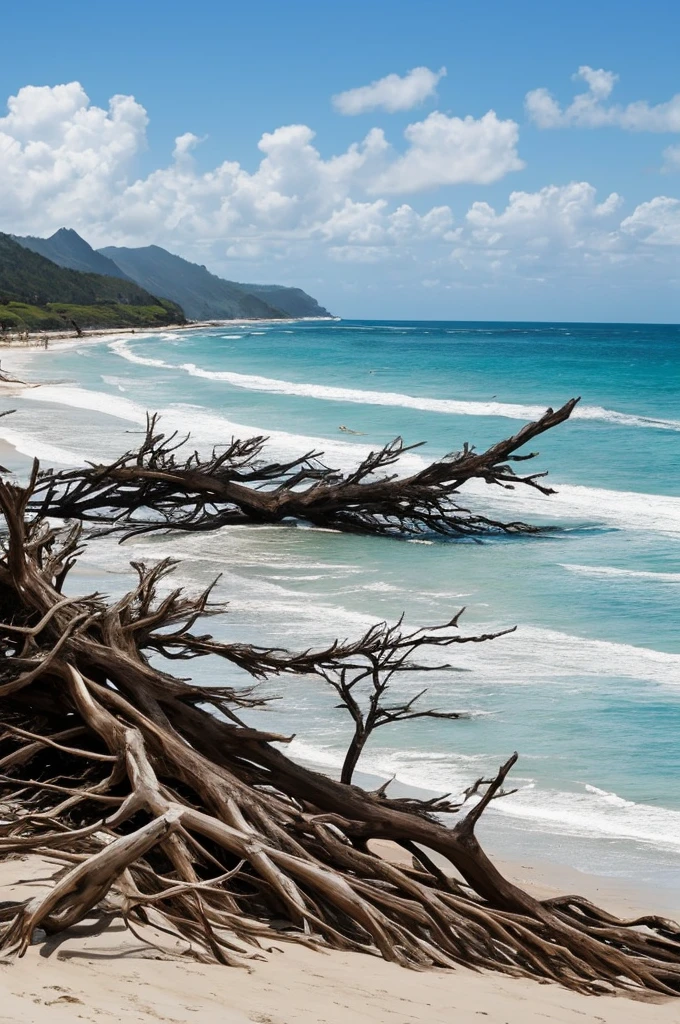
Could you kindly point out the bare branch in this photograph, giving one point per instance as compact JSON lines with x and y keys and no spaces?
{"x":159,"y":486}
{"x":168,"y":809}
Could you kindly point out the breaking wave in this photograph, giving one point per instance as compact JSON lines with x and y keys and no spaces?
{"x":508,"y":410}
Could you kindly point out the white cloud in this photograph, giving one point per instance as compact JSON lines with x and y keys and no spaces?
{"x":656,"y":222}
{"x":590,"y":110}
{"x":563,"y":237}
{"x":184,"y":144}
{"x":290,"y":193}
{"x":358,"y":253}
{"x":557,"y":225}
{"x":450,"y":151}
{"x":65,"y":161}
{"x":671,"y":159}
{"x":567,"y":211}
{"x":599,"y":81}
{"x":391,"y":93}
{"x":372,"y":224}
{"x":59,"y":156}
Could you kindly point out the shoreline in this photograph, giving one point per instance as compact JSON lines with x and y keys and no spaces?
{"x":37,"y":339}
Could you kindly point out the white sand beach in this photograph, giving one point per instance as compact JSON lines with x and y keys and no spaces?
{"x":113,"y":977}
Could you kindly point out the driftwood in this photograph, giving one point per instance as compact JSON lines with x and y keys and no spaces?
{"x":164,"y":484}
{"x":164,"y":808}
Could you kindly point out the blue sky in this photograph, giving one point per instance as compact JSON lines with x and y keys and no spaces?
{"x":415,"y":221}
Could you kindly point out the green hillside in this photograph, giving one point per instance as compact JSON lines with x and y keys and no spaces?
{"x":203,"y":296}
{"x":293,"y":301}
{"x":67,"y":249}
{"x":39,"y":295}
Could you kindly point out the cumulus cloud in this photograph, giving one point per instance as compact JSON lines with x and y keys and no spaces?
{"x":358,"y":253}
{"x":66,"y":161}
{"x":589,"y":109}
{"x":452,"y":150}
{"x":374,"y":224}
{"x":564,"y":234}
{"x":184,"y":144}
{"x":556,"y":226}
{"x":656,"y":222}
{"x":59,"y":155}
{"x":568,"y":212}
{"x":391,"y":93}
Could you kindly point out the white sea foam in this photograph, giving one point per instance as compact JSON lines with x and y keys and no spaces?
{"x":586,"y":811}
{"x":35,"y":448}
{"x":535,"y":656}
{"x":122,"y":349}
{"x":628,"y":510}
{"x":116,"y":382}
{"x":209,"y":428}
{"x":533,"y":653}
{"x":611,"y":798}
{"x":81,"y":398}
{"x":382,"y":588}
{"x":603,"y":572}
{"x":531,"y":656}
{"x":254,"y":382}
{"x":298,"y":577}
{"x":594,"y":812}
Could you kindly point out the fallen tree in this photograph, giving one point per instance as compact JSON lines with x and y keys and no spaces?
{"x":163,"y":483}
{"x":165,"y":808}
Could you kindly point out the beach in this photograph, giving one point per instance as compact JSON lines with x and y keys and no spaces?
{"x":43,"y":339}
{"x":580,"y":822}
{"x":112,"y":976}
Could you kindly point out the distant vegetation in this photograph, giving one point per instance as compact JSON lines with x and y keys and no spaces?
{"x":55,"y":316}
{"x":36,"y":294}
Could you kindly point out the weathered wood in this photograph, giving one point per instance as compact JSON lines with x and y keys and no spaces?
{"x":159,"y":485}
{"x":159,"y":798}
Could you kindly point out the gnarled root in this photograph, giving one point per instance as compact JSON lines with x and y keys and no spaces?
{"x":203,"y":826}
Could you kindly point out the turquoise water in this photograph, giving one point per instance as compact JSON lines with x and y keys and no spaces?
{"x":587,"y":688}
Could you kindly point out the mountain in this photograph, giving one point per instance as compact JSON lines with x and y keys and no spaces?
{"x":293,"y":301}
{"x":202,"y":295}
{"x":36,"y":293}
{"x":67,"y":249}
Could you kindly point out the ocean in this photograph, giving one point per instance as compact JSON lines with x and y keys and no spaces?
{"x":588,"y":687}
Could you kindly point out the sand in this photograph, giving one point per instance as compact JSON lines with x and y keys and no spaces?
{"x":111,"y":976}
